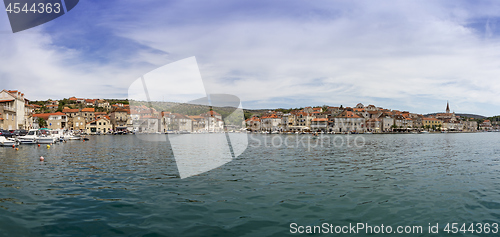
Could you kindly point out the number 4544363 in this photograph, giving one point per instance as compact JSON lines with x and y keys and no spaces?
{"x":472,"y":228}
{"x":34,"y":8}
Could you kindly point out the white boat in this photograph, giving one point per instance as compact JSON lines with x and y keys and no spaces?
{"x":7,"y":142}
{"x":71,"y":136}
{"x":30,"y":137}
{"x":58,"y":134}
{"x":424,"y":132}
{"x":45,"y":137}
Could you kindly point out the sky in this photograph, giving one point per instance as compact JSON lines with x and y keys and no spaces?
{"x":406,"y":55}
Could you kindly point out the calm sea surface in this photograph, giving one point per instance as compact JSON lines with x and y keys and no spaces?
{"x":122,"y":185}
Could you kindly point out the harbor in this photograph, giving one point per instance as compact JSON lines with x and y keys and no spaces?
{"x":129,"y":186}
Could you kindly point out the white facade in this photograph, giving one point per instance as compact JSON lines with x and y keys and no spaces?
{"x":16,"y":106}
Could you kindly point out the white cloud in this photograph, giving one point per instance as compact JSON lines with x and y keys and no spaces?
{"x":412,"y":55}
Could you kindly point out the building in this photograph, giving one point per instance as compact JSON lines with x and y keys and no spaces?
{"x":13,"y":109}
{"x":270,"y":123}
{"x":348,"y":121}
{"x":90,"y":102}
{"x":71,"y":113}
{"x":88,"y":113}
{"x":77,"y":123}
{"x":199,"y":124}
{"x":319,"y":124}
{"x":214,"y":121}
{"x":53,"y":120}
{"x":486,"y":125}
{"x":387,"y":123}
{"x":431,"y":122}
{"x":253,"y":124}
{"x":100,"y":126}
{"x":103,"y":104}
{"x":470,"y":125}
{"x":374,"y":125}
{"x":119,"y":118}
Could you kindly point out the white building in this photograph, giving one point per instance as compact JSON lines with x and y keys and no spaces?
{"x":13,"y":103}
{"x":271,"y":123}
{"x":347,"y":121}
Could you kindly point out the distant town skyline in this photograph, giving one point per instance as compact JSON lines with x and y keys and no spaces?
{"x":406,"y":55}
{"x":446,"y":110}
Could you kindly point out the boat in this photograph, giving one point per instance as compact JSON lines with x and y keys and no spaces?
{"x":72,"y":137}
{"x":8,"y":142}
{"x":45,"y":136}
{"x":29,"y":138}
{"x":424,"y":132}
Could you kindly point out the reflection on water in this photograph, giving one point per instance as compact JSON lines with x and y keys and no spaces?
{"x":121,"y":185}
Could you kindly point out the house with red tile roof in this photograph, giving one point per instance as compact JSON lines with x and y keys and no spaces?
{"x":348,"y":121}
{"x":120,"y":118}
{"x":53,"y":120}
{"x":99,"y":126}
{"x":486,"y":125}
{"x":88,"y":113}
{"x":319,"y":124}
{"x":271,"y":123}
{"x":374,"y":125}
{"x":253,"y":124}
{"x":90,"y":102}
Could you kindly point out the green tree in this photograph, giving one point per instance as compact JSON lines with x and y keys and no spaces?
{"x":42,"y":123}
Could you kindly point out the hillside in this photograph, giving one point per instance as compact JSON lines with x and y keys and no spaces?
{"x":475,"y":116}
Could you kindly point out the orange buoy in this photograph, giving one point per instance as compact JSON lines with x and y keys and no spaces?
{"x":38,"y":145}
{"x":17,"y":149}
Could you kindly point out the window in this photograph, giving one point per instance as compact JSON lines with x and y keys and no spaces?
{"x":99,"y":123}
{"x":104,"y":123}
{"x":7,"y":116}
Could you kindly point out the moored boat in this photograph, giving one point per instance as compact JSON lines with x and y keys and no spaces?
{"x":8,"y":142}
{"x":29,"y":138}
{"x":45,"y":136}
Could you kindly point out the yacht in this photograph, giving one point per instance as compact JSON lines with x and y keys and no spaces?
{"x":30,"y":137}
{"x":45,"y":136}
{"x":8,"y":142}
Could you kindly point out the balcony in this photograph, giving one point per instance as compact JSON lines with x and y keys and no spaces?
{"x":8,"y":108}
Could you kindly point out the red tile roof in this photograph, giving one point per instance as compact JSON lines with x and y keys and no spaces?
{"x":88,"y":110}
{"x":46,"y":115}
{"x":71,"y":110}
{"x":348,"y":114}
{"x":319,"y":119}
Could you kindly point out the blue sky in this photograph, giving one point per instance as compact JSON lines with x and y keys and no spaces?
{"x":407,"y":55}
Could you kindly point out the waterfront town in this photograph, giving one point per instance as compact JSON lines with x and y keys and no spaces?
{"x":100,"y":116}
